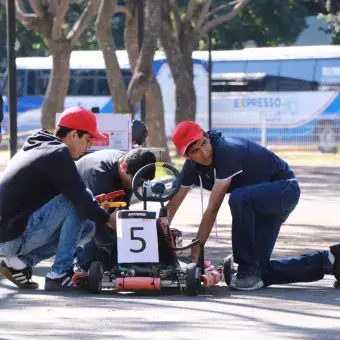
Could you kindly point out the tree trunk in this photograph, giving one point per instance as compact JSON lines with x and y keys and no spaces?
{"x":58,"y":83}
{"x":155,"y":119}
{"x":153,"y":96}
{"x":183,"y":78}
{"x":108,"y":47}
{"x":143,"y":73}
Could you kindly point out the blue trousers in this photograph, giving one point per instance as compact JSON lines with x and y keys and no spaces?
{"x":54,"y":229}
{"x":258,"y":211}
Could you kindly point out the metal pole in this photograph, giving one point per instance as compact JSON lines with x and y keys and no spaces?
{"x":140,"y":43}
{"x":12,"y":86}
{"x":209,"y":80}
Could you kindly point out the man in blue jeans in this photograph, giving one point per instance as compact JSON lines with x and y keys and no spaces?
{"x":263,"y":192}
{"x":45,"y":208}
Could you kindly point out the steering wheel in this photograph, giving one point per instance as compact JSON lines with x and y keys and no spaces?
{"x":157,"y":188}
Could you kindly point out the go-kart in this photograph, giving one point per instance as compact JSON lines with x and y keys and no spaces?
{"x":147,"y":248}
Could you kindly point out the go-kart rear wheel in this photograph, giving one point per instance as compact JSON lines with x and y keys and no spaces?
{"x":95,"y":277}
{"x":193,"y":282}
{"x":228,"y":269}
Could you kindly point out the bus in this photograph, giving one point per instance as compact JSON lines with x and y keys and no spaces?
{"x":88,"y":87}
{"x":278,"y":95}
{"x":272,"y":95}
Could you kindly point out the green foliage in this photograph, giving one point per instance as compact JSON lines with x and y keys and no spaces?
{"x":29,"y":43}
{"x":333,"y":21}
{"x":267,"y":22}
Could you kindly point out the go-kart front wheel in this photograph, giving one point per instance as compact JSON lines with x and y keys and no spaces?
{"x":193,"y":282}
{"x":95,"y":277}
{"x":228,"y":269}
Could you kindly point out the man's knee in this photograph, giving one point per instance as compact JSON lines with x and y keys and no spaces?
{"x":237,"y":197}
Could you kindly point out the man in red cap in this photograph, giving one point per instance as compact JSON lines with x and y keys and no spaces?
{"x":263,"y":192}
{"x":45,"y":208}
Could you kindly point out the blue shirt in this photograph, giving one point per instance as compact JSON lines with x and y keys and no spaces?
{"x":246,"y":162}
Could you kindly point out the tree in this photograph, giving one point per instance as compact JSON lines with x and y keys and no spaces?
{"x":153,"y":97}
{"x":49,"y":19}
{"x":28,"y":42}
{"x":107,"y":45}
{"x":181,"y":36}
{"x":266,"y":22}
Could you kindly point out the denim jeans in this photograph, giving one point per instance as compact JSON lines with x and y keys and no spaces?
{"x":258,"y":212}
{"x":305,"y":268}
{"x":54,"y":229}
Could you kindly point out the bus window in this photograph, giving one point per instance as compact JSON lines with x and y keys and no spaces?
{"x":82,"y":83}
{"x":228,"y":66}
{"x":270,"y":67}
{"x":37,"y":81}
{"x":238,"y":82}
{"x":302,"y":69}
{"x":293,"y":84}
{"x":327,"y":71}
{"x":20,"y":84}
{"x":102,"y":87}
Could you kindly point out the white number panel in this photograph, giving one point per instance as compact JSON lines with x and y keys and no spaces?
{"x":137,"y":237}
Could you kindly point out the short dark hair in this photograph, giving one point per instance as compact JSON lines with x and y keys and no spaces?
{"x":62,"y":131}
{"x":136,"y":159}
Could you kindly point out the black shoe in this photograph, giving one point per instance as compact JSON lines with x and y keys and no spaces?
{"x":21,"y":278}
{"x":62,"y":283}
{"x":228,"y":269}
{"x":335,"y":250}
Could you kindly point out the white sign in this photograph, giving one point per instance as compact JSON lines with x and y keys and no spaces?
{"x":137,"y":240}
{"x":117,"y":129}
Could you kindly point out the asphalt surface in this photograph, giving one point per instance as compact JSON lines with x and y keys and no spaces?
{"x":295,"y":311}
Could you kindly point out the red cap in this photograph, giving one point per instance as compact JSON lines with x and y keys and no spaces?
{"x":78,"y":118}
{"x":186,"y":133}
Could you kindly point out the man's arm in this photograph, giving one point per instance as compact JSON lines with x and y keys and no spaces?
{"x":175,"y":203}
{"x":216,"y":198}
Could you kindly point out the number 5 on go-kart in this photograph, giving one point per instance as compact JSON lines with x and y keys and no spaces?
{"x":147,"y":248}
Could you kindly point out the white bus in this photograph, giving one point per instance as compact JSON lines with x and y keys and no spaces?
{"x":291,"y":92}
{"x":88,"y":86}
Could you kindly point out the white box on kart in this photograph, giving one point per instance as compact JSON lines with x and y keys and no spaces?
{"x":137,"y":240}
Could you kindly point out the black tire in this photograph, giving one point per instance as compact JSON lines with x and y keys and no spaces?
{"x":326,"y":138}
{"x":193,"y":283}
{"x":336,"y":284}
{"x":228,"y":269}
{"x":95,"y":277}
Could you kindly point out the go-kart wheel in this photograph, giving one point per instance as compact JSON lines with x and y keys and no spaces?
{"x":336,"y":284}
{"x":228,"y":269}
{"x":95,"y":277}
{"x":157,"y":189}
{"x":193,"y":282}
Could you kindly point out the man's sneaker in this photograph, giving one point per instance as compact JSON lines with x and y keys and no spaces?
{"x":246,"y":281}
{"x":61,"y":283}
{"x":21,"y":278}
{"x":335,"y":250}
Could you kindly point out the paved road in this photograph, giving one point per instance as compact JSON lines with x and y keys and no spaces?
{"x":297,"y":311}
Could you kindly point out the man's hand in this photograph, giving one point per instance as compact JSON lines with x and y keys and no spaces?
{"x":112,"y":220}
{"x":195,"y":253}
